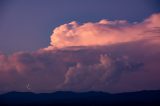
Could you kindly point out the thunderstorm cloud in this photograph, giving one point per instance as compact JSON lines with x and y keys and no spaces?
{"x":111,"y":56}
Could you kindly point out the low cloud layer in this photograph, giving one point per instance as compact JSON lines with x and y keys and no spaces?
{"x":111,"y":56}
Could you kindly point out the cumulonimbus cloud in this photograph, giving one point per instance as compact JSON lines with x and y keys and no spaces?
{"x":103,"y":32}
{"x":113,"y":56}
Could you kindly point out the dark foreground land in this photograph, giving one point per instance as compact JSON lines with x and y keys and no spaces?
{"x":142,"y":98}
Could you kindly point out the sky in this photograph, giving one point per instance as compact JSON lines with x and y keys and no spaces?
{"x":79,"y":45}
{"x":26,"y":25}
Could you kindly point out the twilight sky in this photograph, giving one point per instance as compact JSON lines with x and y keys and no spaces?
{"x":28,"y":24}
{"x":75,"y":45}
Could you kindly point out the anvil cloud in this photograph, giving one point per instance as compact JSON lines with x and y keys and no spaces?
{"x":104,"y":32}
{"x":111,"y":56}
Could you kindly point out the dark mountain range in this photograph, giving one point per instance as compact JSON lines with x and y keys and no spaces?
{"x":140,"y":98}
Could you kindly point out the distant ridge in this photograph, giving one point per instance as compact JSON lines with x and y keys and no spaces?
{"x":140,"y":98}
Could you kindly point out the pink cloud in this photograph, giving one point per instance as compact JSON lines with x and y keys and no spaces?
{"x":103,"y":32}
{"x":113,"y":56}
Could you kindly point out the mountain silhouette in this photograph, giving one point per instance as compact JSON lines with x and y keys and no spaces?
{"x":140,"y":98}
